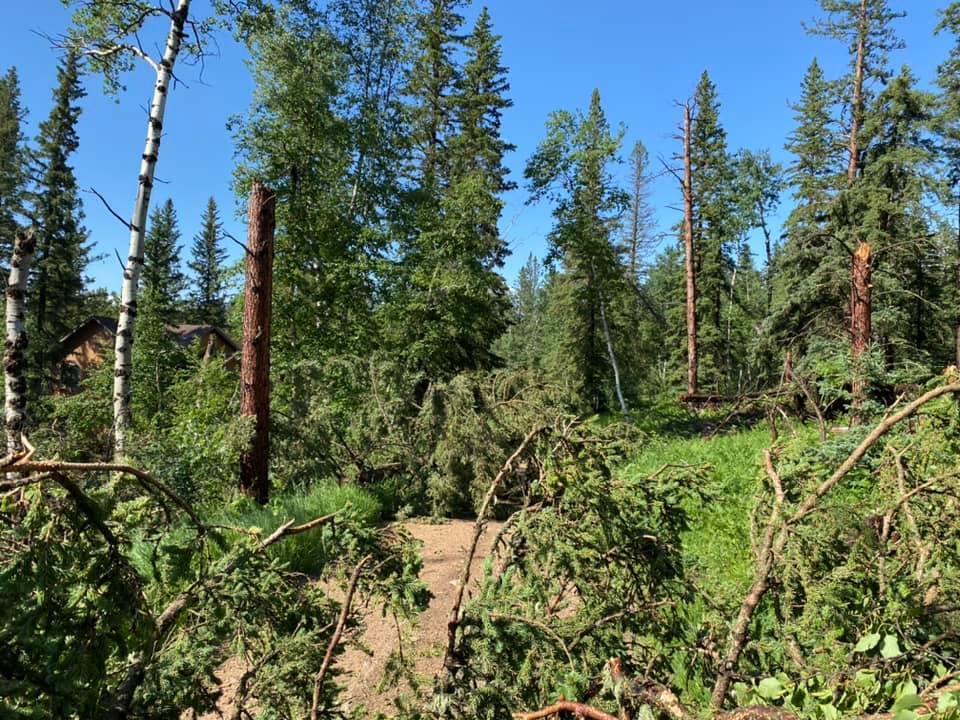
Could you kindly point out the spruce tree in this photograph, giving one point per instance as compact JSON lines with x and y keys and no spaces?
{"x":163,"y":282}
{"x":948,"y":79}
{"x":207,"y":302}
{"x":571,"y":168}
{"x":638,"y":236}
{"x":156,"y":356}
{"x":57,"y":284}
{"x":717,"y":232}
{"x":812,"y":267}
{"x":448,"y":303}
{"x":13,"y":163}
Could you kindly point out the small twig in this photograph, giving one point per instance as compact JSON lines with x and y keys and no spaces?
{"x":113,"y":212}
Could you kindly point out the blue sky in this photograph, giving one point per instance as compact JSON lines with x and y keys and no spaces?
{"x":643,"y":55}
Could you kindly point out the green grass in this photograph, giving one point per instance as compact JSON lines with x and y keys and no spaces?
{"x":728,"y":473}
{"x":306,"y":552}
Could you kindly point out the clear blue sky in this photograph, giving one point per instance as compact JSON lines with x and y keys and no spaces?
{"x":642,"y":54}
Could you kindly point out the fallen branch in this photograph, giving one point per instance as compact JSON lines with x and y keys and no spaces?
{"x":335,"y":638}
{"x":766,"y":561}
{"x":455,"y":611}
{"x":119,"y":705}
{"x":577,"y":709}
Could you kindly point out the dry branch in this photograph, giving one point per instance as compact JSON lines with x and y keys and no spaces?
{"x":766,"y":560}
{"x":335,"y":639}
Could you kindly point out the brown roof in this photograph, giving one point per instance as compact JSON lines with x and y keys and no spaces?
{"x":183,"y":333}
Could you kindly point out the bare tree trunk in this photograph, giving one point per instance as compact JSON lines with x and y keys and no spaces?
{"x":860,"y":322}
{"x":856,"y":109}
{"x":255,"y":362}
{"x":692,"y":360}
{"x":123,"y":363}
{"x":15,"y":384}
{"x":613,"y":362}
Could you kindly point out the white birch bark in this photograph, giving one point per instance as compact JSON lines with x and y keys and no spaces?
{"x":14,"y":360}
{"x":131,"y":276}
{"x":613,"y":362}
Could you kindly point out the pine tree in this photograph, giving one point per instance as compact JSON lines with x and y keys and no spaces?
{"x":13,"y":163}
{"x":207,"y":302}
{"x":432,"y":81}
{"x":812,"y":267}
{"x":448,"y":302}
{"x":57,"y":283}
{"x":640,"y":226}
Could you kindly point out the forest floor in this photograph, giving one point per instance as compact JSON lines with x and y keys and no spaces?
{"x":366,"y":658}
{"x":363,"y":664}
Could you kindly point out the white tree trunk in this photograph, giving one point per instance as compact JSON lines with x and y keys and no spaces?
{"x":131,"y":276}
{"x":613,"y":362}
{"x":15,"y":384}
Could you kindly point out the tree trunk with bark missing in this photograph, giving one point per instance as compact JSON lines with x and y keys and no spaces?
{"x":15,"y":347}
{"x":122,"y":416}
{"x":689,"y":260}
{"x":255,"y":362}
{"x":860,"y":322}
{"x":613,"y":363}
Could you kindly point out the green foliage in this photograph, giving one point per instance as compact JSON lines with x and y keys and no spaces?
{"x":92,"y":564}
{"x":57,"y":276}
{"x":590,"y":570}
{"x":13,"y":176}
{"x":207,"y":259}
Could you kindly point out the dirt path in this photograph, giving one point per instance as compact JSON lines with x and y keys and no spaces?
{"x":444,"y":548}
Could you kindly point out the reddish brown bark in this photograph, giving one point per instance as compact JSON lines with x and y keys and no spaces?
{"x":860,"y":315}
{"x":692,"y":359}
{"x":255,"y":362}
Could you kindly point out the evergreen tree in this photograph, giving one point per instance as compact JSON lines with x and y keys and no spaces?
{"x":448,"y":303}
{"x":571,"y":168}
{"x":432,"y":81}
{"x":163,"y":282}
{"x":13,"y":163}
{"x":812,"y":267}
{"x":638,"y":239}
{"x":207,"y":302}
{"x":948,"y":78}
{"x":156,"y":356}
{"x":57,"y":283}
{"x":717,"y":228}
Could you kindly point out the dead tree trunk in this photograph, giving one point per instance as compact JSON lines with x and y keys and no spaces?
{"x":255,"y":362}
{"x":690,"y":262}
{"x":123,"y":361}
{"x":15,"y":384}
{"x":613,"y":362}
{"x":860,"y":317}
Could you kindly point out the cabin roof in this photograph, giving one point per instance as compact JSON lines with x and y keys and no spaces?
{"x":183,"y":333}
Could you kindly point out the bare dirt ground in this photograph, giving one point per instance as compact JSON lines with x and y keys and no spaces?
{"x":363,"y":663}
{"x":444,"y":549}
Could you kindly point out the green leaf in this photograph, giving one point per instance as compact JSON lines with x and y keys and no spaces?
{"x":867,"y":642}
{"x":830,"y":712}
{"x":904,"y":715}
{"x":770,"y":688}
{"x":908,"y":701}
{"x":891,"y":648}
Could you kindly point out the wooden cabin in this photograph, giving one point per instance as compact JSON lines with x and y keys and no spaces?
{"x":88,"y":345}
